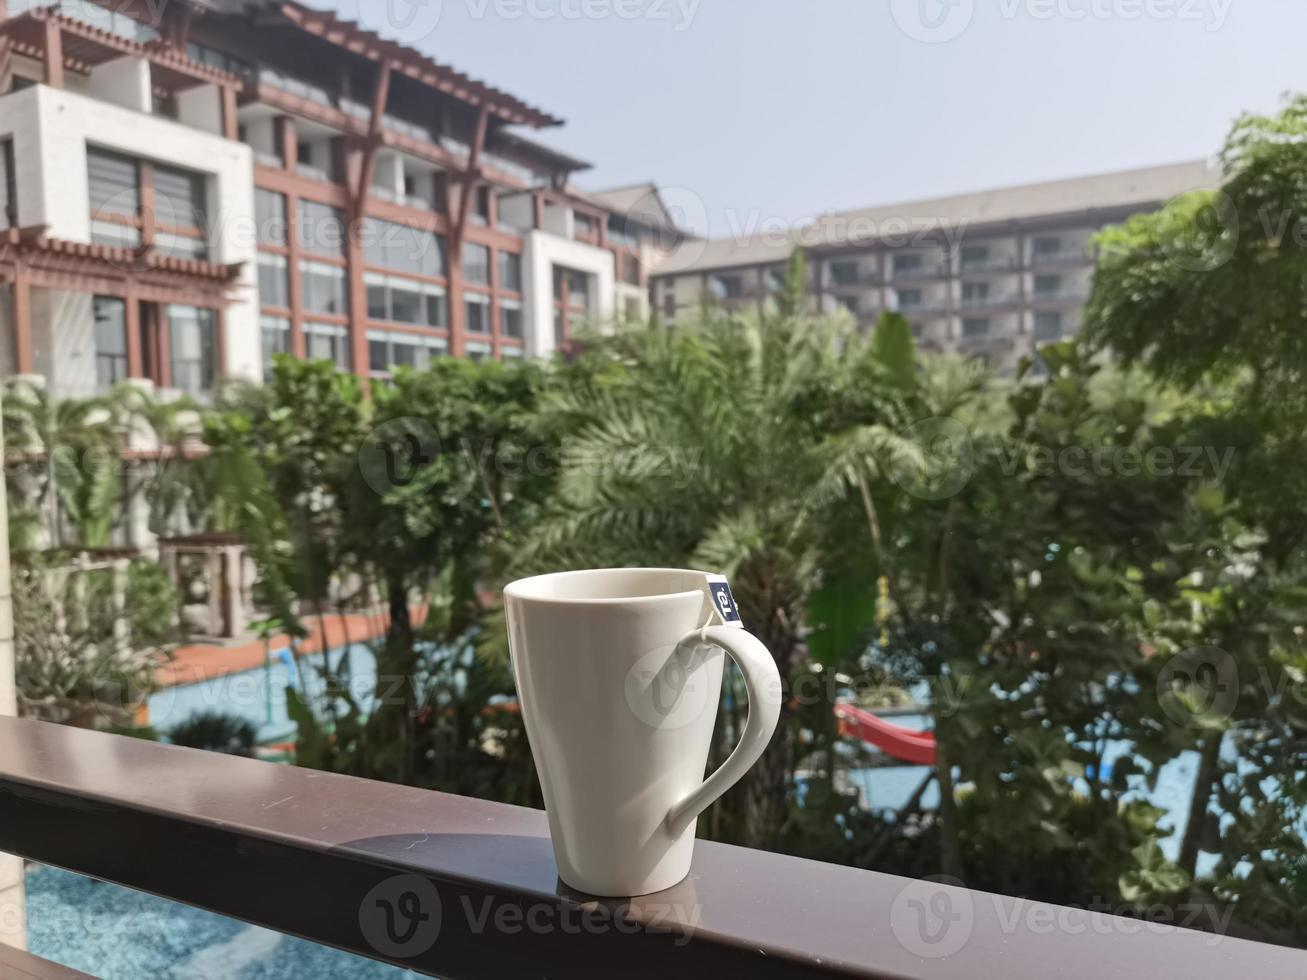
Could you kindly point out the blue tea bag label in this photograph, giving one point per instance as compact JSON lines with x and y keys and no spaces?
{"x":723,"y":603}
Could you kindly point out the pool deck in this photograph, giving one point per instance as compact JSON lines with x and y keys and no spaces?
{"x":203,"y":662}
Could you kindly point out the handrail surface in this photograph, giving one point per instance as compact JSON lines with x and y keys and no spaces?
{"x":306,"y":852}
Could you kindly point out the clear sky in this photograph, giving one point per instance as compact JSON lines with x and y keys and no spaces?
{"x":782,"y":109}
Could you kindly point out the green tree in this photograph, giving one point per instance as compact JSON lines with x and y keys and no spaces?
{"x":723,"y":445}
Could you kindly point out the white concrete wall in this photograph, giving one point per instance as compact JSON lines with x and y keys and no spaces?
{"x":63,"y":341}
{"x":541,"y":253}
{"x":124,"y":82}
{"x":201,"y":108}
{"x":51,"y":130}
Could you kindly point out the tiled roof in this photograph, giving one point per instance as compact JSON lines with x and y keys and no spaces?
{"x":412,"y":63}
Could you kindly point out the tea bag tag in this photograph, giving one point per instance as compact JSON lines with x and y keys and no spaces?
{"x":724,"y":609}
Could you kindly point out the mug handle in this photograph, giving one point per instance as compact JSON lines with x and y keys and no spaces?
{"x":763,"y":682}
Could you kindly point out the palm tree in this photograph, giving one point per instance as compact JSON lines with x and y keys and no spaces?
{"x":62,"y":455}
{"x":726,"y":445}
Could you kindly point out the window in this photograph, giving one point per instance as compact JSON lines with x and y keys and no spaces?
{"x":388,"y":245}
{"x":910,"y":262}
{"x":776,"y":280}
{"x":110,"y":340}
{"x":571,"y":302}
{"x":478,"y":313}
{"x":113,"y":182}
{"x":975,"y":291}
{"x":327,"y":342}
{"x":726,"y":287}
{"x":180,"y":246}
{"x":584,"y":225}
{"x":274,"y":289}
{"x":1047,"y":247}
{"x":321,"y":228}
{"x":669,"y":304}
{"x":404,"y":300}
{"x":323,"y":288}
{"x":392,"y":350}
{"x":8,"y":188}
{"x":106,"y":19}
{"x":1048,"y":285}
{"x":1048,"y":326}
{"x":191,"y":342}
{"x":275,"y":335}
{"x":270,"y":217}
{"x":477,"y":351}
{"x":218,"y":59}
{"x":179,"y":198}
{"x":909,"y":299}
{"x":973,"y":328}
{"x":975,"y":255}
{"x":481,"y":206}
{"x":844,"y":273}
{"x":476,"y":264}
{"x":510,"y":319}
{"x":510,"y":271}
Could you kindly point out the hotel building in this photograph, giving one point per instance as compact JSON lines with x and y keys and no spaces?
{"x":187,"y":189}
{"x":993,"y":274}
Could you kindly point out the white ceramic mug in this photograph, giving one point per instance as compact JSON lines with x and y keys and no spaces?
{"x":619,"y":672}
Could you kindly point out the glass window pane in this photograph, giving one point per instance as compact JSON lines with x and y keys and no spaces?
{"x":274,"y":290}
{"x":405,"y":304}
{"x":321,"y":228}
{"x":8,"y":194}
{"x":179,"y":197}
{"x":324,"y":288}
{"x":270,"y":217}
{"x":510,"y":271}
{"x":476,"y":264}
{"x":435,"y":309}
{"x":191,"y":342}
{"x":110,"y":316}
{"x":113,"y":182}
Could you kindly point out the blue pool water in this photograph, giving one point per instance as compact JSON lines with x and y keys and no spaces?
{"x":119,"y":934}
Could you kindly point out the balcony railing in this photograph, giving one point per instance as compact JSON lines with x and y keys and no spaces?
{"x":1060,"y":296}
{"x":986,"y":302}
{"x":1067,"y":256}
{"x":996,"y":263}
{"x":456,"y":887}
{"x":928,"y":271}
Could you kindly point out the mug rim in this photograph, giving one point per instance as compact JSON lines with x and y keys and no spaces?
{"x":514,"y":589}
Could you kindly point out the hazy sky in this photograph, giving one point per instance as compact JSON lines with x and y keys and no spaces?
{"x":770,"y":109}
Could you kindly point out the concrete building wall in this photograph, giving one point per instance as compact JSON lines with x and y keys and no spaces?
{"x":542,"y":253}
{"x":51,"y":130}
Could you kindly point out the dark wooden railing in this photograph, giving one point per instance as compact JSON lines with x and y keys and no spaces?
{"x":456,"y":887}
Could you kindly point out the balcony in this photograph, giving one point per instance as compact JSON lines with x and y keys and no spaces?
{"x":987,"y":302}
{"x":316,"y":855}
{"x":1066,"y":256}
{"x":995,"y":263}
{"x":1057,"y":297}
{"x":930,"y":270}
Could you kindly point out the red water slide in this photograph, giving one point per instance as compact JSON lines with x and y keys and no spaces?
{"x":906,"y":744}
